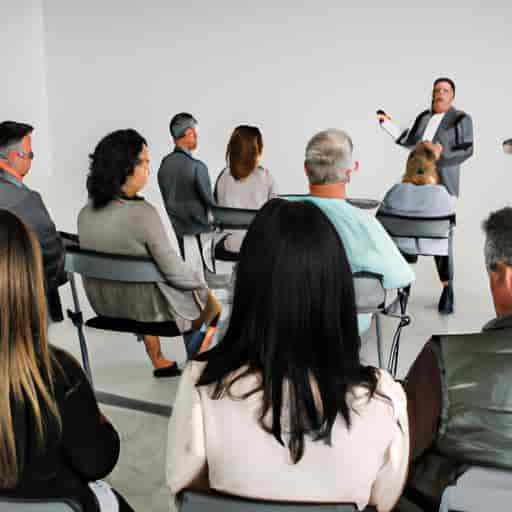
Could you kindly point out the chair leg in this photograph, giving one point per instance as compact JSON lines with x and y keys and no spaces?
{"x":378,"y":331}
{"x":78,"y":321}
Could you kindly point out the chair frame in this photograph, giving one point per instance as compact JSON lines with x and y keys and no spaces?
{"x":111,"y":267}
{"x":189,"y":501}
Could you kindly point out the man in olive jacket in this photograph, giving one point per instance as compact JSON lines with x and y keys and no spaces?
{"x":458,"y":388}
{"x":15,"y":161}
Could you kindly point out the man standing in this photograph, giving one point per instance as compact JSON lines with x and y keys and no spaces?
{"x":15,"y":161}
{"x":458,"y":389}
{"x":449,"y":132}
{"x":184,"y":181}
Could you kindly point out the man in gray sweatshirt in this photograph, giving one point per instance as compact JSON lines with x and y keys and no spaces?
{"x":184,"y":181}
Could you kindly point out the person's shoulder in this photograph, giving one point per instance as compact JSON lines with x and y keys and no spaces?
{"x":67,"y":367}
{"x":389,"y":396}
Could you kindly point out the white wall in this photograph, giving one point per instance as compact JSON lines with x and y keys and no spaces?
{"x":291,"y":69}
{"x":23,"y":85}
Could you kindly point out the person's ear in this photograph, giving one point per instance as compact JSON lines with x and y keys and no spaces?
{"x":306,"y":172}
{"x":356,"y":166}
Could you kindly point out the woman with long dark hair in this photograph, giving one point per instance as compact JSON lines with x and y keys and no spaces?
{"x":54,"y":439}
{"x":282,"y":409}
{"x":118,"y":220}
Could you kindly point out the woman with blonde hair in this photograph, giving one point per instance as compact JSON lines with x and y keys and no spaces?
{"x":54,"y":438}
{"x":243,"y":183}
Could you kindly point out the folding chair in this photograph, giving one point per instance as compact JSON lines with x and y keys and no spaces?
{"x":479,"y":489}
{"x":38,"y":505}
{"x":371,"y":298}
{"x":422,"y":236}
{"x":213,"y":502}
{"x":128,"y":269}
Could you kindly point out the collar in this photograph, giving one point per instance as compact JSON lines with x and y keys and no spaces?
{"x":178,"y":149}
{"x":122,"y":197}
{"x":329,"y":191}
{"x":502,"y":322}
{"x":4,"y":166}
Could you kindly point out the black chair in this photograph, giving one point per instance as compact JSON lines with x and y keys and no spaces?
{"x":128,"y":269}
{"x":39,"y":505}
{"x":199,"y":502}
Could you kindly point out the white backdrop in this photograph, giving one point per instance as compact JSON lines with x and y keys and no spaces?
{"x":290,"y":69}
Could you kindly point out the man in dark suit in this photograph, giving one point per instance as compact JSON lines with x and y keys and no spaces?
{"x":449,"y":133}
{"x":15,"y":161}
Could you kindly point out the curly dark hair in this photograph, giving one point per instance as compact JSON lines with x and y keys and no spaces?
{"x":113,"y":160}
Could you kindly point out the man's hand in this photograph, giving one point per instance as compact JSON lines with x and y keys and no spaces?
{"x":437,"y":149}
{"x":382,"y":116}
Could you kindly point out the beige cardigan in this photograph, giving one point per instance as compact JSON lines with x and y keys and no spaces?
{"x":364,"y":465}
{"x":134,"y":227}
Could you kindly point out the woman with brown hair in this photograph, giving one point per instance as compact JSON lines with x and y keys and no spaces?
{"x":54,"y":438}
{"x":243,"y":183}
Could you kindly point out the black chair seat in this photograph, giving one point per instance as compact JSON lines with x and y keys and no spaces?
{"x":166,"y":329}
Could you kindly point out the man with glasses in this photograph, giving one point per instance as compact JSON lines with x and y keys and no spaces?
{"x":449,"y":134}
{"x":15,"y":161}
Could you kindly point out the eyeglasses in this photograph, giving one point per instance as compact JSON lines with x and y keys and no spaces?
{"x":26,"y":155}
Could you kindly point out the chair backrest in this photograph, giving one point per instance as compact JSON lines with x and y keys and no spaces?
{"x":416,"y":227}
{"x":38,"y":505}
{"x":197,"y":502}
{"x":112,"y":267}
{"x":370,"y":294}
{"x":232,"y":218}
{"x":477,"y":489}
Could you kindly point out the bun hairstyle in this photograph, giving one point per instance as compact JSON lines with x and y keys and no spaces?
{"x":421,"y":167}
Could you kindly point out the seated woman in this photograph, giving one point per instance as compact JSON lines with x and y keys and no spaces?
{"x":421,"y":195}
{"x":282,"y":408}
{"x":54,"y":438}
{"x":117,"y":220}
{"x":243,"y":183}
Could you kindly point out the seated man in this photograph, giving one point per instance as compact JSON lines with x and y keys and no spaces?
{"x":458,"y":389}
{"x":421,"y":195}
{"x":185,"y":183}
{"x":369,"y":248}
{"x":15,"y":161}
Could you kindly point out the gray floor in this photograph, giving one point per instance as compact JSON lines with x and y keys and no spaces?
{"x":120,"y":366}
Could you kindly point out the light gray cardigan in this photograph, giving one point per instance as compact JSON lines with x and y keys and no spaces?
{"x":134,"y":227}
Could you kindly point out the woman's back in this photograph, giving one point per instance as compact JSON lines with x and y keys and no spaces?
{"x":85,"y":450}
{"x":245,"y":460}
{"x":249,"y":193}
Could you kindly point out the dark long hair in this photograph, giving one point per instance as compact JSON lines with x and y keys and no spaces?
{"x":294,"y":323}
{"x":113,"y":160}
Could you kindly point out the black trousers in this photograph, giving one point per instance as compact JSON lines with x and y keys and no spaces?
{"x":442,"y":265}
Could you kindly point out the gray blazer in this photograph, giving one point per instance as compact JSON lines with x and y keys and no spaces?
{"x":186,"y":191}
{"x":455,"y":134}
{"x":133,"y":227}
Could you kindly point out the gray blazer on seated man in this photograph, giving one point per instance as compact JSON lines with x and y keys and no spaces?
{"x":448,"y":131}
{"x":15,"y":161}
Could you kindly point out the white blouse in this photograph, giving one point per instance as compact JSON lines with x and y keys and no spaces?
{"x":366,"y":464}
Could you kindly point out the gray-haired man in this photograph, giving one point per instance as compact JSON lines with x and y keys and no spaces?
{"x":329,"y":165}
{"x":458,"y":389}
{"x":184,"y":181}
